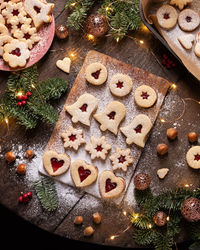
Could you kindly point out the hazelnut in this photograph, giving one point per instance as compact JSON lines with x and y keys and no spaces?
{"x":88,"y":231}
{"x":62,"y":31}
{"x":29,"y":154}
{"x":21,"y":169}
{"x":10,"y":156}
{"x":96,"y":218}
{"x":162,"y":149}
{"x":172,"y":133}
{"x":78,"y":220}
{"x":192,"y":137}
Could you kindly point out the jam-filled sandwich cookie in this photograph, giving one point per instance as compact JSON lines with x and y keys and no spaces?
{"x":186,"y":41}
{"x":110,"y":185}
{"x":137,"y":130}
{"x":145,"y":96}
{"x":111,"y":117}
{"x":167,"y":16}
{"x":121,"y":159}
{"x":16,"y":53}
{"x":83,"y":174}
{"x":98,"y":147}
{"x":193,"y":157}
{"x":56,"y":164}
{"x":82,"y":109}
{"x":120,"y":85}
{"x":3,"y":41}
{"x":13,"y":10}
{"x":188,"y":20}
{"x":180,"y":3}
{"x":39,"y":11}
{"x":96,"y":73}
{"x":2,"y":20}
{"x":73,"y":138}
{"x":18,"y":22}
{"x":3,"y":30}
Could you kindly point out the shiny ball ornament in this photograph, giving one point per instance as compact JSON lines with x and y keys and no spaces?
{"x":190,"y":209}
{"x":62,"y":31}
{"x":160,"y":219}
{"x":142,"y":181}
{"x":96,"y":25}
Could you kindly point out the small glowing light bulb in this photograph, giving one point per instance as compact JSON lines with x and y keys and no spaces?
{"x":141,"y":42}
{"x":167,"y":218}
{"x":125,"y":213}
{"x":112,"y":237}
{"x":33,"y":86}
{"x":150,"y":226}
{"x":6,"y":120}
{"x":117,"y":39}
{"x":19,"y":93}
{"x":173,"y":86}
{"x":187,"y":185}
{"x":73,"y":4}
{"x":162,"y":120}
{"x":90,"y":37}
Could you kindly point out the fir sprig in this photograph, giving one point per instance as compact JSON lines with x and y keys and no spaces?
{"x":46,"y":193}
{"x":37,"y":107}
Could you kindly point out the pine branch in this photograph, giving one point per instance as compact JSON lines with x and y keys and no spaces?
{"x":46,"y":193}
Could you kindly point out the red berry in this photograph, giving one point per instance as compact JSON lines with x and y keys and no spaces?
{"x":23,"y":102}
{"x":20,"y":97}
{"x":19,"y":104}
{"x":170,"y":61}
{"x":173,"y":64}
{"x":165,"y":56}
{"x":25,"y":97}
{"x":168,"y":66}
{"x":164,"y":62}
{"x":25,"y":198}
{"x":28,"y":93}
{"x":20,"y":199}
{"x":29,"y":195}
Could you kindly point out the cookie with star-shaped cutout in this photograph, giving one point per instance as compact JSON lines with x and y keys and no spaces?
{"x":73,"y":138}
{"x":121,"y":159}
{"x":98,"y":147}
{"x":145,"y":96}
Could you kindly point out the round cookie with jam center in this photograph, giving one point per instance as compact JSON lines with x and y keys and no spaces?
{"x":145,"y":96}
{"x":188,"y":20}
{"x":96,"y":73}
{"x":120,"y":85}
{"x":167,"y":16}
{"x":193,"y":157}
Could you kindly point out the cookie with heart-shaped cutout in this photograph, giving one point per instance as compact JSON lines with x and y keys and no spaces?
{"x":186,"y":41}
{"x":193,"y":157}
{"x":64,"y":64}
{"x":83,"y":174}
{"x":137,"y":131}
{"x":111,"y":116}
{"x":82,"y":109}
{"x":96,"y":73}
{"x":110,"y":185}
{"x":54,"y":163}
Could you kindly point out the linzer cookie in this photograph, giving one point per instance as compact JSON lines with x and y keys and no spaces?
{"x":82,"y":109}
{"x":193,"y":157}
{"x":55,"y":164}
{"x":167,"y":16}
{"x":137,"y":131}
{"x":39,"y":11}
{"x":121,"y":159}
{"x":96,"y":73}
{"x":120,"y":85}
{"x":83,"y":174}
{"x":4,"y":39}
{"x":188,"y":20}
{"x":145,"y":96}
{"x":3,"y":30}
{"x":111,"y":117}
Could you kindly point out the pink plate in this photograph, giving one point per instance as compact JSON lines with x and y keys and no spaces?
{"x":46,"y":33}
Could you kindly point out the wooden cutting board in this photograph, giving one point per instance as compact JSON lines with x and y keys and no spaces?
{"x":104,"y":96}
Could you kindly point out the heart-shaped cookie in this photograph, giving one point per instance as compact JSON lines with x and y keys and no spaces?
{"x":54,"y":163}
{"x":110,"y":186}
{"x":64,"y":64}
{"x":186,"y":41}
{"x":83,"y":174}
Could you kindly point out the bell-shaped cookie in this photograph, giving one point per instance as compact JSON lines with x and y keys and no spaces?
{"x":111,"y":117}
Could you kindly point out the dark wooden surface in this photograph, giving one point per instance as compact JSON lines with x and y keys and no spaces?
{"x":72,"y":202}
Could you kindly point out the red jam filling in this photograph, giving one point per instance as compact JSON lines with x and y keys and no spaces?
{"x":99,"y":148}
{"x":144,"y":95}
{"x":166,"y":16}
{"x":72,"y":137}
{"x":83,"y":108}
{"x":19,"y":25}
{"x":110,"y":185}
{"x":112,"y":115}
{"x":56,"y":164}
{"x":83,"y":173}
{"x":16,"y":52}
{"x":9,"y":26}
{"x":197,"y":157}
{"x":120,"y":85}
{"x":27,"y":36}
{"x":138,"y":129}
{"x":15,"y":12}
{"x":122,"y":159}
{"x":37,"y":9}
{"x":188,"y":19}
{"x":96,"y":74}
